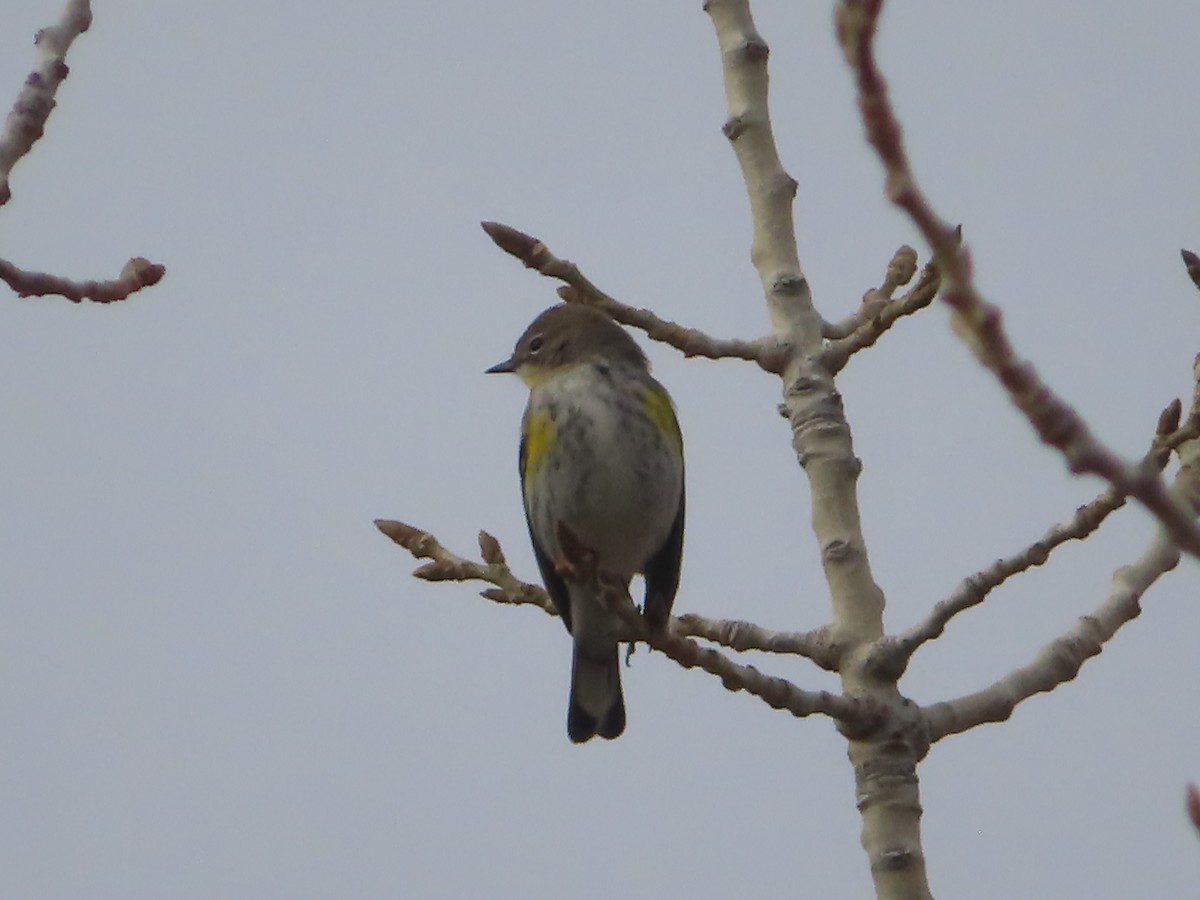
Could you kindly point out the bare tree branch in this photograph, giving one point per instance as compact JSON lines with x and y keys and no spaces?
{"x":1192,"y":262}
{"x":1061,"y":660}
{"x":900,"y":272}
{"x":858,"y":716}
{"x":978,"y":322}
{"x":893,"y":653}
{"x":854,"y":715}
{"x":820,"y":434}
{"x":886,"y":783}
{"x":138,"y":273}
{"x":1193,"y":806}
{"x":27,"y":121}
{"x":915,"y":299}
{"x":817,"y":645}
{"x":578,"y":289}
{"x":448,"y":566}
{"x":25,"y":124}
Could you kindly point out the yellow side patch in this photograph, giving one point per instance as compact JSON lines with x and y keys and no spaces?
{"x":540,"y":435}
{"x":661,"y":411}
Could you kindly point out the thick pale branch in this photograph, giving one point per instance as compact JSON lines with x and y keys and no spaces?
{"x":820,"y":434}
{"x":1061,"y":660}
{"x":884,"y":761}
{"x":138,"y":273}
{"x":978,"y":322}
{"x":769,"y":188}
{"x":766,"y":352}
{"x":812,"y":405}
{"x":852,"y":714}
{"x":27,"y":120}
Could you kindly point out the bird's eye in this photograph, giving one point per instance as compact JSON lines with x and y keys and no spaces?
{"x":535,"y":344}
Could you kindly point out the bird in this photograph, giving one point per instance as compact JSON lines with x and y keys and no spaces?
{"x":601,"y":457}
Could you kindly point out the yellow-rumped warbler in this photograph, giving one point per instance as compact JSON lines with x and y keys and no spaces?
{"x":602,"y":454}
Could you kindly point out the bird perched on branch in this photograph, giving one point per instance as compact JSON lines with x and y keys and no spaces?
{"x":601,"y":460}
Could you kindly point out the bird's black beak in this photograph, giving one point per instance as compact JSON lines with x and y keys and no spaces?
{"x":506,"y":366}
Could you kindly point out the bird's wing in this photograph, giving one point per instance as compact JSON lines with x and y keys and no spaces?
{"x":556,"y":586}
{"x":662,"y":571}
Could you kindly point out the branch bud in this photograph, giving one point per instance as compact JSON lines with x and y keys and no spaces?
{"x":903,"y":266}
{"x":414,"y":540}
{"x":514,"y":242}
{"x":438,"y":570}
{"x":1192,"y":262}
{"x":1193,"y":805}
{"x":489,"y":549}
{"x":1168,"y":419}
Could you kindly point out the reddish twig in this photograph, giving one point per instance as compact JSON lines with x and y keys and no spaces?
{"x":892,"y":654}
{"x":138,"y":273}
{"x":1061,"y":660}
{"x":1192,"y":263}
{"x":27,"y":121}
{"x":977,"y":322}
{"x":23,"y":127}
{"x":1193,"y":806}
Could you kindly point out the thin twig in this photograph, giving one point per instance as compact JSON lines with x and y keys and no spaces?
{"x":900,"y":272}
{"x":1192,"y":804}
{"x":854,"y":715}
{"x":978,"y":322}
{"x":138,"y":273}
{"x":857,"y":716}
{"x":915,"y":299}
{"x":1061,"y":660}
{"x":27,"y":121}
{"x":25,"y":124}
{"x":766,"y":352}
{"x":892,"y":654}
{"x":1192,"y":263}
{"x":817,"y":645}
{"x":449,"y":566}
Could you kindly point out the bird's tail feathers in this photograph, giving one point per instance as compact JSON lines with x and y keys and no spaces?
{"x":596,"y":706}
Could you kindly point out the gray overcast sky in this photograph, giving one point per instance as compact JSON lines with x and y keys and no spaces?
{"x":217,"y":679}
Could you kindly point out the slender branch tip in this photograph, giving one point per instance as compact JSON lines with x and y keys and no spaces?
{"x":1168,"y":419}
{"x":513,"y":242}
{"x":1192,"y":263}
